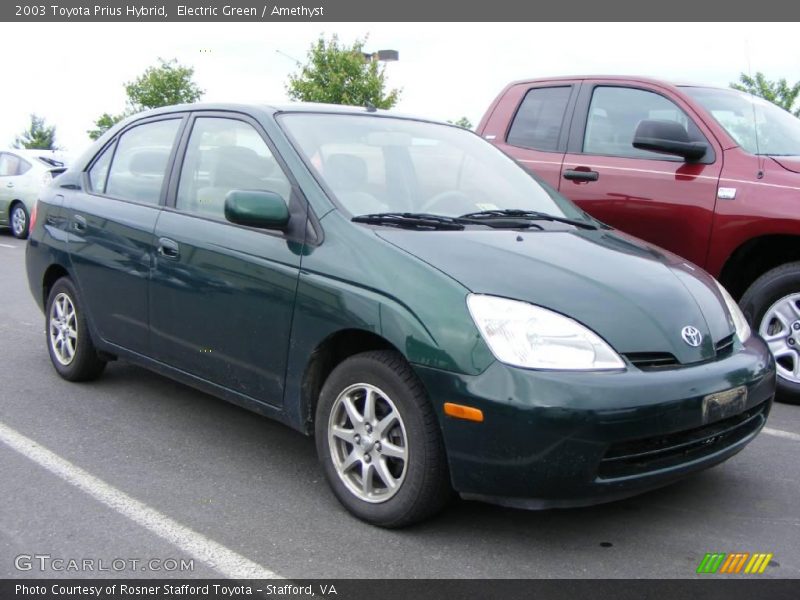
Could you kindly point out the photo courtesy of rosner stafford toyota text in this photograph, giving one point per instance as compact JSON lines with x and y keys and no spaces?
{"x":348,"y":300}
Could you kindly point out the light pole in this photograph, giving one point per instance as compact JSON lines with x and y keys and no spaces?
{"x":382,"y":56}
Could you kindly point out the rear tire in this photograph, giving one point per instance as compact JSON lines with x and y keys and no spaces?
{"x":772,"y":307}
{"x":69,"y":342}
{"x":396,"y":446}
{"x":19,"y":220}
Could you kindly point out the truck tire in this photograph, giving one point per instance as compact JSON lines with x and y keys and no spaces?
{"x":772,"y":307}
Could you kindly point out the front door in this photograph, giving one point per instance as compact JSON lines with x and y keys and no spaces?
{"x":659,"y":198}
{"x":222,"y":295}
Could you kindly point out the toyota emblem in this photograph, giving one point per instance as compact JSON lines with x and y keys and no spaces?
{"x":692,"y":336}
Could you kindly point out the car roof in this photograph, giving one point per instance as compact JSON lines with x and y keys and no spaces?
{"x":294,"y":107}
{"x":631,"y":78}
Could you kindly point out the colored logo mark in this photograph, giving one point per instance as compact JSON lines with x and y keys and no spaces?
{"x":734,"y":563}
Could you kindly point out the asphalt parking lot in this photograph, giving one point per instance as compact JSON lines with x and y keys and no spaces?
{"x":134,"y":466}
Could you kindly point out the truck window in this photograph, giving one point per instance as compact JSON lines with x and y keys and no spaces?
{"x":538,"y":121}
{"x":614,"y":114}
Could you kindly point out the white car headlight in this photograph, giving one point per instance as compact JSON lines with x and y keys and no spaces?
{"x":524,"y":335}
{"x":737,"y":316}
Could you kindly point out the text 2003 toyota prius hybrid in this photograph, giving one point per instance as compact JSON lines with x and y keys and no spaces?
{"x":403,"y":291}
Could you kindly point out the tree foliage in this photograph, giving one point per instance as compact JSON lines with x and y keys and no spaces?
{"x":778,"y":92}
{"x":39,"y":135}
{"x":164,"y":84}
{"x":340,"y":74}
{"x":462,"y":122}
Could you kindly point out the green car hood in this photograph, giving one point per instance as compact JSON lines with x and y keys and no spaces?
{"x":636,"y":296}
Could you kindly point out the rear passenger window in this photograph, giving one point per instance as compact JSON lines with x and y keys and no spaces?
{"x":538,"y":121}
{"x":224,"y":155}
{"x":99,"y":171}
{"x":10,"y":165}
{"x":140,"y":162}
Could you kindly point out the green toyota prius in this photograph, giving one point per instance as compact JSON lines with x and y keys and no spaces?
{"x":403,"y":291}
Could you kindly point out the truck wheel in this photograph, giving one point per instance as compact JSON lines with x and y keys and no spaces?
{"x":772,"y":307}
{"x":379,"y":443}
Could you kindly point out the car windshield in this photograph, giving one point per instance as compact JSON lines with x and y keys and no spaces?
{"x":377,"y":164}
{"x":757,"y":125}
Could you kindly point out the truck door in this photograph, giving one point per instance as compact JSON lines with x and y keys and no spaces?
{"x":658,"y":197}
{"x":530,"y":123}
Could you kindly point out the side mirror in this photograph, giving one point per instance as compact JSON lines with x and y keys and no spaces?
{"x":667,"y":137}
{"x":255,"y":208}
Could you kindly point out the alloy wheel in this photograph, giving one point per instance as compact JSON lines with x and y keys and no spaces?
{"x":19,"y":220}
{"x":780,"y":328}
{"x":368,"y":443}
{"x":63,"y":329}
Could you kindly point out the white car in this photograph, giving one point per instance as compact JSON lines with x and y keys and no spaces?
{"x":23,"y":173}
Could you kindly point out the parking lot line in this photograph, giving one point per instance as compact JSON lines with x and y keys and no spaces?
{"x":782,"y":434}
{"x":7,"y":246}
{"x":222,"y":559}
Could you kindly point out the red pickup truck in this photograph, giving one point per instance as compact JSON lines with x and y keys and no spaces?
{"x":711,"y":174}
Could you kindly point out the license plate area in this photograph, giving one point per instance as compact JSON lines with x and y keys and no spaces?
{"x":721,"y":405}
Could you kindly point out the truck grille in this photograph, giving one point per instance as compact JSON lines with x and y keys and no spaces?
{"x":651,"y":454}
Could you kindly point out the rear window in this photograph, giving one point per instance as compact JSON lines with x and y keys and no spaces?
{"x":537,"y":124}
{"x":140,"y":162}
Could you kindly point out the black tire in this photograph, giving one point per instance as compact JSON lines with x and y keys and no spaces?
{"x":425,"y":488}
{"x":765,"y":291}
{"x":22,"y":232}
{"x":85,"y":363}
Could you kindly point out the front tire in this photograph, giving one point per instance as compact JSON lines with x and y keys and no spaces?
{"x":379,"y":442}
{"x":19,"y":221}
{"x":69,"y":342}
{"x":772,"y":307}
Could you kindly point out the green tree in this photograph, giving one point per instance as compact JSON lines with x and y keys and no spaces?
{"x":39,"y":135}
{"x":462,"y":122}
{"x":340,"y":74}
{"x":164,"y":84}
{"x":778,"y":92}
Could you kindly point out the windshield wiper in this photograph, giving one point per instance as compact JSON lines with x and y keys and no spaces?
{"x":415,"y":220}
{"x":505,"y":213}
{"x":431,"y":221}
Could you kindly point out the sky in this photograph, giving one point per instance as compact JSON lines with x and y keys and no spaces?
{"x":71,"y":73}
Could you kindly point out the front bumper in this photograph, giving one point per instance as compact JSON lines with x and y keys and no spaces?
{"x":570,"y":439}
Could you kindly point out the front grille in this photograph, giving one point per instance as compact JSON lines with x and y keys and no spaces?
{"x":724,"y":347}
{"x":651,"y":454}
{"x":651,"y":361}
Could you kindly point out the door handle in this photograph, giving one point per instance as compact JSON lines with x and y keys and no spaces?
{"x":9,"y":185}
{"x":578,"y":175}
{"x":78,"y":223}
{"x":168,"y":248}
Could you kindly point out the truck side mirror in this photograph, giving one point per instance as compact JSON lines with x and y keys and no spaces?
{"x":667,"y":137}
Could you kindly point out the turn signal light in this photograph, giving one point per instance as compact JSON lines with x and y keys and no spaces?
{"x":459,"y":411}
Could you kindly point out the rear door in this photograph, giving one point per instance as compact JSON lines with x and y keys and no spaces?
{"x":531,"y":125}
{"x":110,"y":225}
{"x":656,"y":197}
{"x":222,"y":295}
{"x":12,"y":184}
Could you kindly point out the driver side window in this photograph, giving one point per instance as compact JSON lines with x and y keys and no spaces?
{"x":615,"y":113}
{"x":223,"y":155}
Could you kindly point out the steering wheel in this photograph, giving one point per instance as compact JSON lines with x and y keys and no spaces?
{"x":448,"y":203}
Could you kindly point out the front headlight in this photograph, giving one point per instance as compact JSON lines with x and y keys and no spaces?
{"x":524,"y":335}
{"x":737,"y":316}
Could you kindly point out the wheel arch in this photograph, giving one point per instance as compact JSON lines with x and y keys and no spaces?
{"x":326,"y":356}
{"x":755,"y":257}
{"x":52,"y":274}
